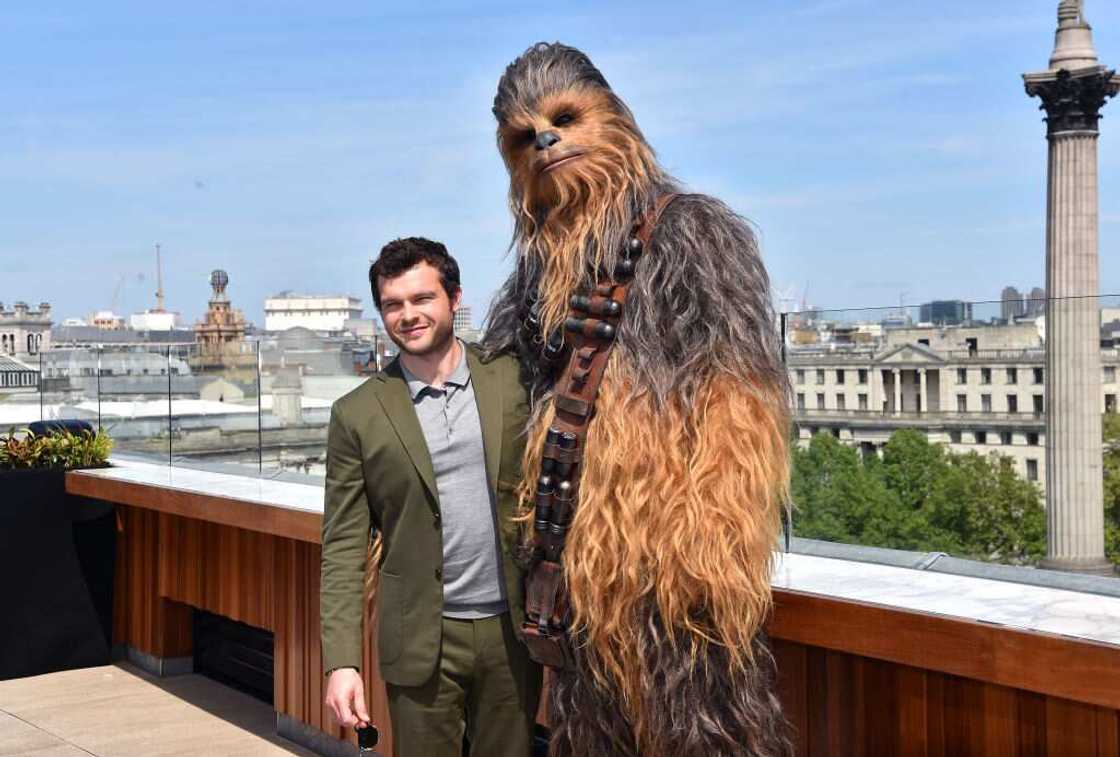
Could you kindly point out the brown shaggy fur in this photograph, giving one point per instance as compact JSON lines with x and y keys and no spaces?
{"x":668,"y":560}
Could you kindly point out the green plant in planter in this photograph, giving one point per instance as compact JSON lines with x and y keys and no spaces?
{"x":59,"y":450}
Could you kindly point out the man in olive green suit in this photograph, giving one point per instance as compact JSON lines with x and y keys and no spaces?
{"x":428,"y":453}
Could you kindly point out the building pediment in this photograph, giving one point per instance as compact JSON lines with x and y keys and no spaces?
{"x":909,"y":354}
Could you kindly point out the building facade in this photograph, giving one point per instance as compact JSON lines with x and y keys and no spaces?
{"x":23,"y":331}
{"x":324,"y":314}
{"x":971,"y":388}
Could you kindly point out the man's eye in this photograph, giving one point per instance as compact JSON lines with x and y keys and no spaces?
{"x":563,"y":119}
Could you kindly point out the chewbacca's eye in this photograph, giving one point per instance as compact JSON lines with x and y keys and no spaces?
{"x":526,"y":137}
{"x":563,"y":119}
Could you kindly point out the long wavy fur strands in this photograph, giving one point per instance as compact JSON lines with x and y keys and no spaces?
{"x":668,"y":560}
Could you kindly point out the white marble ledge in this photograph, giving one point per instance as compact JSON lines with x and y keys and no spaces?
{"x":261,"y":491}
{"x":1019,"y":606}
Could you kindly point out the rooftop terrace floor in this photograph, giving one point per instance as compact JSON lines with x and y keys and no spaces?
{"x":121,"y":710}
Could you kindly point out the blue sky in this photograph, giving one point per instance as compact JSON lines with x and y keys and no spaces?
{"x":885,"y":150}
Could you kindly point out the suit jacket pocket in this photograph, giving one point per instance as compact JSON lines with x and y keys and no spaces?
{"x":390,"y":613}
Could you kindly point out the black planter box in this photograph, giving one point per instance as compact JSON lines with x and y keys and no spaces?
{"x":56,"y":576}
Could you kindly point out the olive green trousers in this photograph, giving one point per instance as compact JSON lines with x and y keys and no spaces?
{"x":485,"y":686}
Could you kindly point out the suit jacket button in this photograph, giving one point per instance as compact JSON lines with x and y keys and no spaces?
{"x":439,"y":574}
{"x":437,"y":521}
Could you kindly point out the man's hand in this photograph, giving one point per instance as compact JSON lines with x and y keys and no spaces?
{"x":346,"y":696}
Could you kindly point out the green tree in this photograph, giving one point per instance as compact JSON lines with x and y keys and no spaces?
{"x":1111,"y":438}
{"x":919,"y":496}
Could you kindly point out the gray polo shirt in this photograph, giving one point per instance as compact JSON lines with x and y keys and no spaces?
{"x":472,"y":568}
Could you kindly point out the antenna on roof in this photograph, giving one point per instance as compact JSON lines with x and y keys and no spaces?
{"x":159,"y":282}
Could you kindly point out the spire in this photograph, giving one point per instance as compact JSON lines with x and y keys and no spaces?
{"x":1073,"y":42}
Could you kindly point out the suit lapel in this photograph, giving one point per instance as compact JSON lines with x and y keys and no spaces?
{"x":488,"y":397}
{"x":397,"y":403}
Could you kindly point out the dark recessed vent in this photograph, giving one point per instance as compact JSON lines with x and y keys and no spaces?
{"x":233,"y":653}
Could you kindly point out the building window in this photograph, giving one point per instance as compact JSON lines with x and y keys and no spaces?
{"x":1110,"y":403}
{"x":954,"y":437}
{"x":1032,"y":470}
{"x":962,"y":403}
{"x":839,"y":375}
{"x":962,"y":375}
{"x":985,"y":403}
{"x":840,"y":402}
{"x":836,"y":432}
{"x":1005,"y":438}
{"x":801,"y":375}
{"x":1037,"y":375}
{"x":924,"y":342}
{"x":1013,"y":375}
{"x":863,"y":375}
{"x":985,"y":375}
{"x":1012,"y":403}
{"x":800,"y":400}
{"x":820,"y":401}
{"x":1032,"y":438}
{"x":981,"y":437}
{"x":1038,"y":408}
{"x":1110,"y":374}
{"x":863,"y":402}
{"x":973,"y":346}
{"x":820,"y":375}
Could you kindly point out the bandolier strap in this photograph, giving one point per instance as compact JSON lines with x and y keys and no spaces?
{"x":590,"y":333}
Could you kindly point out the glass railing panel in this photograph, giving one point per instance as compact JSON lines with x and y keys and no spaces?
{"x":131,"y":385}
{"x":21,"y":397}
{"x":215,"y":408}
{"x":302,"y":374}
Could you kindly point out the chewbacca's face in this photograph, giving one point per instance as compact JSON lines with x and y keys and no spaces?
{"x":564,"y":149}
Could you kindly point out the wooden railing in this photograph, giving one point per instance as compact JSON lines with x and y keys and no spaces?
{"x":855,"y":677}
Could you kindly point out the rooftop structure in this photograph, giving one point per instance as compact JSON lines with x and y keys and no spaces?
{"x":322,"y":313}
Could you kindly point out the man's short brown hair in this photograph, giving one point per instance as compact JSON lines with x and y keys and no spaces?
{"x":402,"y":254}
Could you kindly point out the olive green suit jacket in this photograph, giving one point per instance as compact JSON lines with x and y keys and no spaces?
{"x":379,"y":476}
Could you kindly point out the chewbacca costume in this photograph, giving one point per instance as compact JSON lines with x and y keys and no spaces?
{"x":667,"y":561}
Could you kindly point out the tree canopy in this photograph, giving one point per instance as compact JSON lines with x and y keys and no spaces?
{"x":921,"y":496}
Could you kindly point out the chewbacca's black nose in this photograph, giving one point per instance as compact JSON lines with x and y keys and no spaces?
{"x":546,"y":139}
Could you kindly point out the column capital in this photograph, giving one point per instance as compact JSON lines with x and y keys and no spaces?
{"x":1073,"y":101}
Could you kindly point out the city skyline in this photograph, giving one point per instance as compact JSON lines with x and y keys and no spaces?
{"x":286,"y":149}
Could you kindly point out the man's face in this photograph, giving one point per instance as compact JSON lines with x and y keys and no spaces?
{"x":418,"y":314}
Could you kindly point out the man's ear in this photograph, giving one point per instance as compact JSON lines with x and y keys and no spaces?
{"x":456,"y":300}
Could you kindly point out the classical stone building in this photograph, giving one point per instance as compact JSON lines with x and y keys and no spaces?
{"x":23,"y":331}
{"x":972,"y":388}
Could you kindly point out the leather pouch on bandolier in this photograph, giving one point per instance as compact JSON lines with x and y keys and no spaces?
{"x":590,"y":332}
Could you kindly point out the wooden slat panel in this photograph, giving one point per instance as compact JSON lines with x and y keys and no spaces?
{"x":935,"y":714}
{"x":141,"y":617}
{"x":1071,"y":729}
{"x":816,"y":670}
{"x":1054,"y":665}
{"x":253,"y":516}
{"x":913,"y":732}
{"x":1031,"y":715}
{"x":792,"y":690}
{"x":226,"y":571}
{"x":853,"y":705}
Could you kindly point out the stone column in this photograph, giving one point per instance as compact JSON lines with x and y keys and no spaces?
{"x":1072,"y":93}
{"x":897,"y":374}
{"x":923,"y":399}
